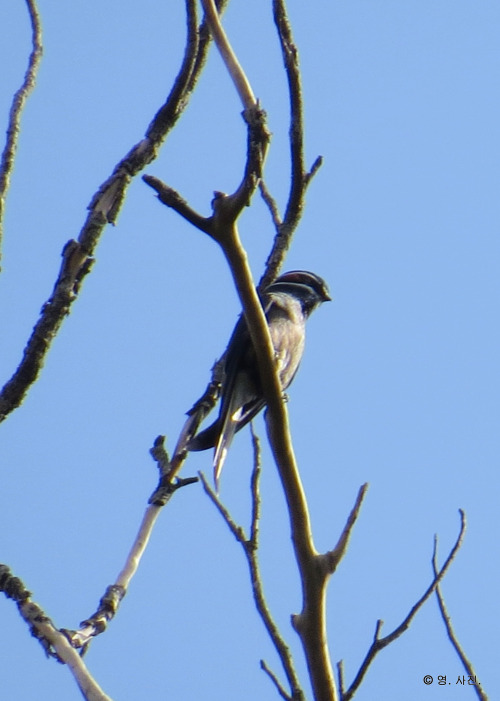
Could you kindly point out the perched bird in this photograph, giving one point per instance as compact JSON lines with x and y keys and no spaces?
{"x":287,"y":304}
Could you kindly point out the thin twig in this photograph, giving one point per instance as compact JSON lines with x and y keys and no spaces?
{"x":170,"y":197}
{"x":333,"y":557}
{"x":272,"y":676}
{"x":340,"y":674}
{"x":18,"y":102}
{"x":272,"y":205}
{"x":250,"y":549}
{"x":379,"y":643}
{"x":237,"y":531}
{"x":481,"y":694}
{"x":314,"y":169}
{"x":254,"y":490}
{"x":291,"y":61}
{"x":300,"y":179}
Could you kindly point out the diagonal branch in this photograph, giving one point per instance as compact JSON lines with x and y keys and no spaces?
{"x":54,"y":642}
{"x":241,"y":83}
{"x":333,"y":557}
{"x":171,"y":198}
{"x":250,"y":548}
{"x":379,"y":643}
{"x":16,"y":110}
{"x":108,"y":605}
{"x":104,"y":208}
{"x":76,"y":263}
{"x":272,"y":676}
{"x":451,"y":633}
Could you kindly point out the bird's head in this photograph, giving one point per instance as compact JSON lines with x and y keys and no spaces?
{"x":307,"y":287}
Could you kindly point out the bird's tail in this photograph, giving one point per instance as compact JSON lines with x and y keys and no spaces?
{"x":229,"y":428}
{"x":231,"y":421}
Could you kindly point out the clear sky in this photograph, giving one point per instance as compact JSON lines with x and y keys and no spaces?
{"x":399,"y":385}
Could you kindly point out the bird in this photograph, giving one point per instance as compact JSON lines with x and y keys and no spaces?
{"x":287,"y":304}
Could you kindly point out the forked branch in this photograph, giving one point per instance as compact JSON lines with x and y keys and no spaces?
{"x":250,"y":547}
{"x":481,"y":694}
{"x":222,"y":227}
{"x":54,"y":642}
{"x":379,"y":643}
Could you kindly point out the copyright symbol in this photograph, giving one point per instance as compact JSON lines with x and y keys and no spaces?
{"x":428,"y":679}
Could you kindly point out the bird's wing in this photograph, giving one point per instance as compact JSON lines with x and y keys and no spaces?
{"x":240,"y":357}
{"x":242,"y":396}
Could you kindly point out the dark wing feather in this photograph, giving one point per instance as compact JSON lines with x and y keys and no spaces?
{"x":242,"y":396}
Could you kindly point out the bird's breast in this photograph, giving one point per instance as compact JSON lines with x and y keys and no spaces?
{"x":287,"y":335}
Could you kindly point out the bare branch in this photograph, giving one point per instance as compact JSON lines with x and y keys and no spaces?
{"x":314,"y":169}
{"x":271,"y":203}
{"x":54,"y":642}
{"x":340,"y":674}
{"x":16,"y":110}
{"x":169,"y":469}
{"x":109,"y":603}
{"x":333,"y":557}
{"x":291,"y":61}
{"x":221,"y":226}
{"x":379,"y":643}
{"x":241,"y":83}
{"x":236,"y":530}
{"x":272,"y":676}
{"x":226,"y":208}
{"x":254,"y":490}
{"x":300,"y":179}
{"x":170,"y":197}
{"x":481,"y":694}
{"x":310,"y":624}
{"x":104,"y":208}
{"x":250,"y":548}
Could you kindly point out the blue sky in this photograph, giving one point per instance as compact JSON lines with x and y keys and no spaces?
{"x":399,"y":385}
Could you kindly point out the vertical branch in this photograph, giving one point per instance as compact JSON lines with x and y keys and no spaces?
{"x":314,"y":568}
{"x":300,"y":179}
{"x":16,"y":110}
{"x":296,"y":129}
